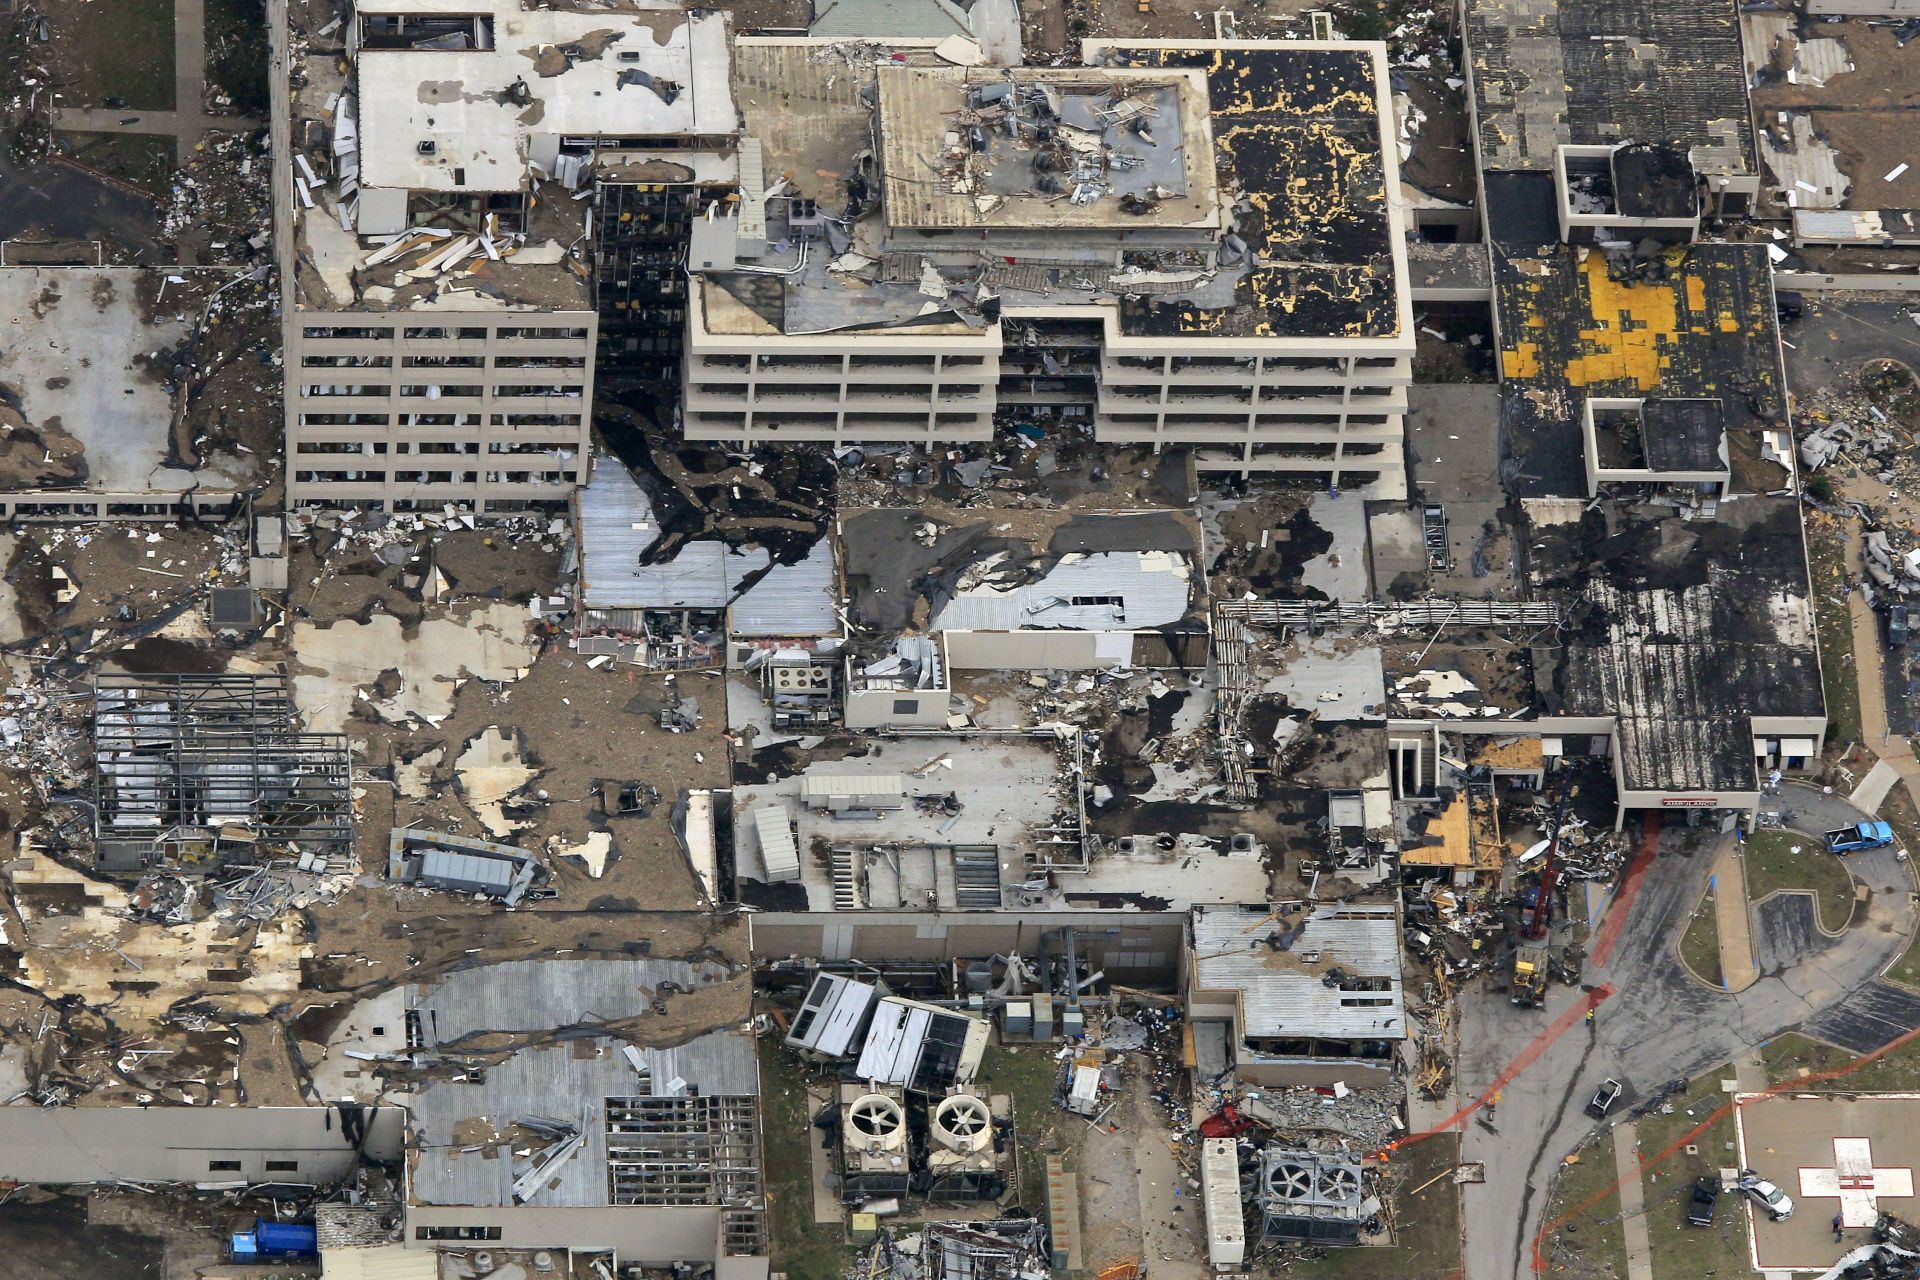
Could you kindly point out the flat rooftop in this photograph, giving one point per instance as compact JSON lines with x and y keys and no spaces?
{"x":1300,"y":242}
{"x":1013,"y":790}
{"x":463,"y":120}
{"x":1062,"y":148}
{"x":1300,"y":132}
{"x":1553,"y":72}
{"x":1683,"y":629}
{"x":91,"y":386}
{"x":1328,"y":971}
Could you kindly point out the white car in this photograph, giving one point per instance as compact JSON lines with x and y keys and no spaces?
{"x":1772,"y":1201}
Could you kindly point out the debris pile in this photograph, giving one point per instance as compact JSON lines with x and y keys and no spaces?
{"x":1004,"y":1249}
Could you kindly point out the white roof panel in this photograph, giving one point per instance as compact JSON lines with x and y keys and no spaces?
{"x":777,"y":848}
{"x":1098,"y":591}
{"x":893,"y":1042}
{"x":458,"y":99}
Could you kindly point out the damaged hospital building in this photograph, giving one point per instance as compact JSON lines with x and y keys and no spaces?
{"x":887,"y":644}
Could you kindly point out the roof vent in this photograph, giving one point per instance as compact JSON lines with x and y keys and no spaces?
{"x":427,"y":148}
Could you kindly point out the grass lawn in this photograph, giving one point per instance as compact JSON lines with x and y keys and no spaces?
{"x":1426,"y":1223}
{"x":1895,"y":1072}
{"x":1700,"y":944}
{"x":1681,"y":1251}
{"x":1826,"y":560}
{"x":237,"y":53}
{"x":1899,"y":811}
{"x":802,"y":1248}
{"x":1026,"y":1073}
{"x":1587,"y":1240}
{"x":122,"y":48}
{"x":1772,"y":864}
{"x":142,"y":159}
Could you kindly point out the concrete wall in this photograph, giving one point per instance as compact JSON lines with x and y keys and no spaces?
{"x":1138,"y":948}
{"x":1355,"y":1073}
{"x":67,"y":1145}
{"x":882,"y":387}
{"x":898,"y":709}
{"x":1038,"y":650}
{"x":1865,"y":8}
{"x":653,"y":1235}
{"x":498,"y":435}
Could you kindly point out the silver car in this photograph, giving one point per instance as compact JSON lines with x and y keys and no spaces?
{"x":1771,"y":1200}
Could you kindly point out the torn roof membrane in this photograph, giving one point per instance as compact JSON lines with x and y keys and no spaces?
{"x":1299,"y":136}
{"x":466,"y":119}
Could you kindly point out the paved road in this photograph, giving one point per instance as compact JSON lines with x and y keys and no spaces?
{"x":1660,"y":1025}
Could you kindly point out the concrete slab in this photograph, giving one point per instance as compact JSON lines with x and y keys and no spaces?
{"x":1737,"y":970}
{"x":1633,"y":1205}
{"x":376,"y":1025}
{"x":490,"y":770}
{"x":1341,"y":573}
{"x":79,"y":351}
{"x":1851,"y":1155}
{"x":1873,"y":789}
{"x":336,"y":664}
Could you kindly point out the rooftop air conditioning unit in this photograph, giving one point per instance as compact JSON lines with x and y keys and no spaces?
{"x":875,"y":1123}
{"x":963,"y":1124}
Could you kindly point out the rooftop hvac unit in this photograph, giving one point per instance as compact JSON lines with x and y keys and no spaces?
{"x":963,"y":1124}
{"x":1226,"y":1225}
{"x":1305,"y":1196}
{"x":875,"y":1123}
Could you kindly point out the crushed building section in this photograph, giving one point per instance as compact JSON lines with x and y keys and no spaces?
{"x":461,"y":864}
{"x":1309,"y":994}
{"x":193,"y":769}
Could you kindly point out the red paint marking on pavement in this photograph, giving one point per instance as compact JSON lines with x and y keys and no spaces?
{"x":1784,"y":1089}
{"x":1629,"y":889}
{"x":1526,"y":1058}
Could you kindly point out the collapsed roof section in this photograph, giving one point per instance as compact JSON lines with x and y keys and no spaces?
{"x":192,"y":767}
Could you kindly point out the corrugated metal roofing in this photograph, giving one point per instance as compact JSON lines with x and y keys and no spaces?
{"x":777,"y":848}
{"x":1283,"y":991}
{"x":703,"y":576}
{"x":555,"y":1081}
{"x":616,"y":524}
{"x":791,"y":600}
{"x":535,"y":995}
{"x":1114,"y":591}
{"x":446,"y":866}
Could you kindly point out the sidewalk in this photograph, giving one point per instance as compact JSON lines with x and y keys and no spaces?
{"x":1633,"y":1205}
{"x":1731,"y":911}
